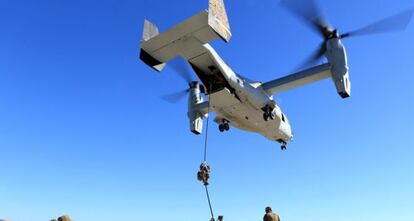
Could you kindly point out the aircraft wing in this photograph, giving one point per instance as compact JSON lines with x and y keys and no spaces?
{"x":317,"y":73}
{"x":298,"y":79}
{"x":337,"y":69}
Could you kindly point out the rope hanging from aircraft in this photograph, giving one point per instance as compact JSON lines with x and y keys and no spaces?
{"x":203,"y":174}
{"x":206,"y":137}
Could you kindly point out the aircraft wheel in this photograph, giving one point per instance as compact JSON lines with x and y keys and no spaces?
{"x":221,"y":127}
{"x":283,"y":147}
{"x":265,"y":116}
{"x":226,"y":126}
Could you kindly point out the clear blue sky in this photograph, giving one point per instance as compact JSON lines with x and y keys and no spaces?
{"x":83,"y":131}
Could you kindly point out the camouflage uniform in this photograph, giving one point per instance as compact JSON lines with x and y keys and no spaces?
{"x":204,"y":173}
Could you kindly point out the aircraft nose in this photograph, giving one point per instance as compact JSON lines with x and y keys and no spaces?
{"x":289,"y":132}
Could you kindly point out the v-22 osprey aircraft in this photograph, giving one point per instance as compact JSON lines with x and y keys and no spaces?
{"x":236,"y":100}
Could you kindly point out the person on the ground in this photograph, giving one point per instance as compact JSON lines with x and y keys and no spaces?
{"x":270,"y":215}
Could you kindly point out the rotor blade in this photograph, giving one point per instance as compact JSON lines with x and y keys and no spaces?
{"x":396,"y":22}
{"x":314,"y":57}
{"x":182,"y":69}
{"x":308,"y":11}
{"x":174,"y":97}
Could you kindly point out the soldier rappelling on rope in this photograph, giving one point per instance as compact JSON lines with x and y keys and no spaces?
{"x":203,"y":175}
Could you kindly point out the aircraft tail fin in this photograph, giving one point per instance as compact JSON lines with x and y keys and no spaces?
{"x":150,"y":31}
{"x":218,"y":20}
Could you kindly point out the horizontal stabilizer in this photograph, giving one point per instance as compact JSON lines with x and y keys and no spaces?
{"x":185,"y":39}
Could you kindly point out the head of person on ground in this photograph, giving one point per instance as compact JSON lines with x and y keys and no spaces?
{"x":268,"y":209}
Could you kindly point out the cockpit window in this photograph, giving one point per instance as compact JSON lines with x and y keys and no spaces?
{"x":283,"y":117}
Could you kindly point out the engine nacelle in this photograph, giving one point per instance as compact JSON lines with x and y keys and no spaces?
{"x":336,"y":54}
{"x":195,"y":117}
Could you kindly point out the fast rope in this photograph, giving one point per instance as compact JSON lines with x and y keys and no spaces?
{"x":204,"y":173}
{"x":206,"y":137}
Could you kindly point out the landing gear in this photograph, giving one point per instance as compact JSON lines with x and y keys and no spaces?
{"x":224,"y":126}
{"x":268,"y":113}
{"x":283,"y":146}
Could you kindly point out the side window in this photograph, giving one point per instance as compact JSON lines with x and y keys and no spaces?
{"x":283,"y":117}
